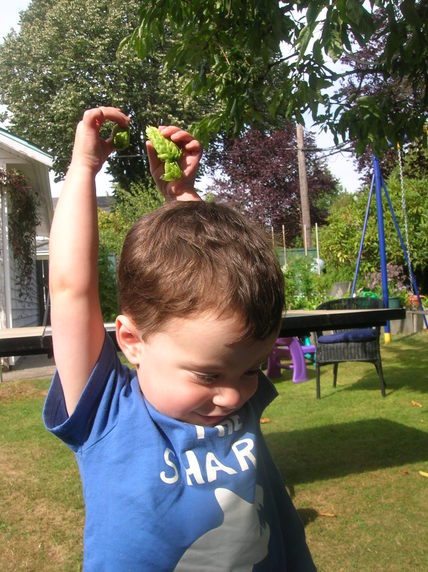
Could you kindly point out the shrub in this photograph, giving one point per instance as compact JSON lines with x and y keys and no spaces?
{"x":304,"y":287}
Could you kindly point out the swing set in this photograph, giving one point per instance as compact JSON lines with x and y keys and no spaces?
{"x":378,"y":184}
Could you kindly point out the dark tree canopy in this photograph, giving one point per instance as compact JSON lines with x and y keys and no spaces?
{"x":259,"y":176}
{"x":396,"y":92}
{"x":268,"y":60}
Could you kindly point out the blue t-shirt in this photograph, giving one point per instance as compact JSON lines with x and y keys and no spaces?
{"x":164,"y":495}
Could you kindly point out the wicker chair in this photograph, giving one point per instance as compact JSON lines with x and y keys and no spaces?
{"x":357,"y":344}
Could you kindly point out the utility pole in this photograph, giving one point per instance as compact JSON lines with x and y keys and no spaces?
{"x":303,"y":182}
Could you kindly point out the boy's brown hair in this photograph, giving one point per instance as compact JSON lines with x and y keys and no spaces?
{"x":190,"y":257}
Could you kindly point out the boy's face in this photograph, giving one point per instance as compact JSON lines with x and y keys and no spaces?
{"x":196,"y":370}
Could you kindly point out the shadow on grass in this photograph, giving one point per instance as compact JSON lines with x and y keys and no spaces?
{"x":307,"y":515}
{"x":414,"y":378}
{"x":333,"y":451}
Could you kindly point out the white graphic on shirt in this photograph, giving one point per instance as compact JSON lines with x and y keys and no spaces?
{"x":240,"y":542}
{"x":204,"y":467}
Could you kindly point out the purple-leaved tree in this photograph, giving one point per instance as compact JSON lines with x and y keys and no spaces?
{"x":258,"y":174}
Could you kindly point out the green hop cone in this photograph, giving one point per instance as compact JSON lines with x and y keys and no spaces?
{"x":172,"y":171}
{"x":121,"y":137}
{"x":166,"y":149}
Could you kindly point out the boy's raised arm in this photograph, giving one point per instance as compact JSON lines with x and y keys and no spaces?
{"x":77,"y":323}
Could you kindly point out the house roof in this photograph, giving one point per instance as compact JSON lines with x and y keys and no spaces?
{"x":34,"y":164}
{"x":11,"y":144}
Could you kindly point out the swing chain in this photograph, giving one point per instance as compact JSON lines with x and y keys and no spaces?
{"x":406,"y":227}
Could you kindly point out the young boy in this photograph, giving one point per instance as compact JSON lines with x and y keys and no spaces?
{"x":176,"y":474}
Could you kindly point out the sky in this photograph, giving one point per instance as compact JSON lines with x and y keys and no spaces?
{"x":339,"y":164}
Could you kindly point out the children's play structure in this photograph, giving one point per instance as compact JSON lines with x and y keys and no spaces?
{"x":378,"y":184}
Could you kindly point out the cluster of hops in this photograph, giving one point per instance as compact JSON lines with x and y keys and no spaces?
{"x":121,"y":137}
{"x":167,"y":151}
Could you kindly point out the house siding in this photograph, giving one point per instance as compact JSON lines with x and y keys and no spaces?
{"x":24,"y":307}
{"x":2,"y":284}
{"x":25,"y":310}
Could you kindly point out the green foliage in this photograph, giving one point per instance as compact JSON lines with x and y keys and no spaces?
{"x":127,"y":209}
{"x":107,"y":283}
{"x":340,"y":239}
{"x":266,"y":61}
{"x":113,"y":228}
{"x":415,"y":163}
{"x":304,"y":287}
{"x":22,"y":223}
{"x":64,"y":60}
{"x":416,"y":192}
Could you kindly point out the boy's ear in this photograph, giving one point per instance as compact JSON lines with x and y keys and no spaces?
{"x":128,"y":338}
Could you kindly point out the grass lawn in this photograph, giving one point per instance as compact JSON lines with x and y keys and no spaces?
{"x":351,"y":462}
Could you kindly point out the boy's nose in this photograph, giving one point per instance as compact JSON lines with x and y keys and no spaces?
{"x":228,"y":397}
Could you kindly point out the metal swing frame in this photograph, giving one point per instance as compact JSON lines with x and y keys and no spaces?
{"x":378,"y":183}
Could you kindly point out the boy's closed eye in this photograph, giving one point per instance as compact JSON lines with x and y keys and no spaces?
{"x":206,"y":377}
{"x":213,"y":377}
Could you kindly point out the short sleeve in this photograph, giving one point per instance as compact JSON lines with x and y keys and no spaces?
{"x":95,"y":411}
{"x":264,"y":395}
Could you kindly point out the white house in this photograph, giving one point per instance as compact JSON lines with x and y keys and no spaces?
{"x":29,"y":310}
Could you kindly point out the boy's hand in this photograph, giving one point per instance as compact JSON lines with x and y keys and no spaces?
{"x":90,"y":150}
{"x":182,"y":189}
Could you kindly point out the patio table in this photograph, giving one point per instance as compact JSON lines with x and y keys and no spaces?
{"x":302,"y":322}
{"x":38,"y":340}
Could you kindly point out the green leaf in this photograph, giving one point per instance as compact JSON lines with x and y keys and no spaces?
{"x":410,"y":12}
{"x":312,"y":12}
{"x":354,"y":10}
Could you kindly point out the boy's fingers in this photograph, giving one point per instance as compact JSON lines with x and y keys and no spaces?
{"x":179,"y":136}
{"x":114,"y":114}
{"x":192,"y":153}
{"x":168,"y":130}
{"x":182,"y":137}
{"x":193,"y":147}
{"x":101,"y":114}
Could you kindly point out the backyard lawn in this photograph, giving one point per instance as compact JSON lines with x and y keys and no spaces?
{"x":352,"y":462}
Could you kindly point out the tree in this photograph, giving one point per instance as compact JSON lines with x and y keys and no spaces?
{"x":258,"y":174}
{"x":65,"y":60}
{"x":272,"y":59}
{"x":395,"y":91}
{"x":127,"y":209}
{"x":113,"y":227}
{"x":415,"y":166}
